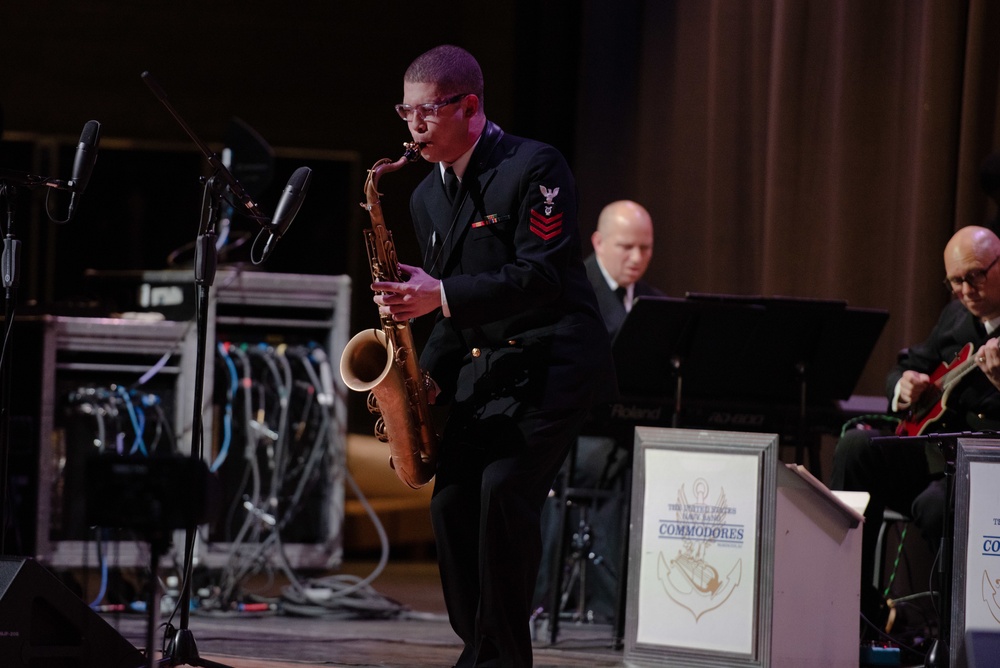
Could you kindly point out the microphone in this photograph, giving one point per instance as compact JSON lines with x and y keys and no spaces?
{"x":86,"y":156}
{"x":288,"y":206}
{"x":83,"y":162}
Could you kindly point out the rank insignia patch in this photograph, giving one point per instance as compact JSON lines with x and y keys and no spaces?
{"x":546,"y":227}
{"x":550,"y":196}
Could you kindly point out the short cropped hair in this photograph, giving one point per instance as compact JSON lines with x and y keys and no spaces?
{"x":453,"y":69}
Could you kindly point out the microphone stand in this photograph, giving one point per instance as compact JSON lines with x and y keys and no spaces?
{"x":181,"y":650}
{"x":10,"y":270}
{"x":11,"y":277}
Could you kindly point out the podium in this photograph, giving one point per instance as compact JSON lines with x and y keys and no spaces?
{"x":736,"y":559}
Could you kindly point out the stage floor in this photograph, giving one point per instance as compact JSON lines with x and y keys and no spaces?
{"x":419,"y":636}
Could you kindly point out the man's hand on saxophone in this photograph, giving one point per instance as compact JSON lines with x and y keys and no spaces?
{"x":419,"y":295}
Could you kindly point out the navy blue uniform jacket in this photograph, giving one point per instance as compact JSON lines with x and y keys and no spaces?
{"x":613,"y":308}
{"x":524,"y":320}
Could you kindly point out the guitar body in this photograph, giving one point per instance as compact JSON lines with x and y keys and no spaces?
{"x":933,"y":402}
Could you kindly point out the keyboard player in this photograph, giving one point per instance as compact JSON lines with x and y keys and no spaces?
{"x":622,"y":249}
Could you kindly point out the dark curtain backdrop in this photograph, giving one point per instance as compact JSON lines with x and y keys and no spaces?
{"x":817,"y":149}
{"x":809,"y":148}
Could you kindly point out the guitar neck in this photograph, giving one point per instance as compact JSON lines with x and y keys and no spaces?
{"x":956,"y":374}
{"x":959,"y":371}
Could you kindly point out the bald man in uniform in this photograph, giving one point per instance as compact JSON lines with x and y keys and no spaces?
{"x":623,"y":247}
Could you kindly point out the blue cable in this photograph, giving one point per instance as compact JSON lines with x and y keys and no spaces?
{"x":227,"y":420}
{"x":138,"y":444}
{"x":104,"y":573}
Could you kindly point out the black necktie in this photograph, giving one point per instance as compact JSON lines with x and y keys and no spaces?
{"x":622,"y":294}
{"x":450,"y":184}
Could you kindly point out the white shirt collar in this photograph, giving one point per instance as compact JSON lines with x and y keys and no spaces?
{"x":460,"y":165}
{"x":612,"y":283}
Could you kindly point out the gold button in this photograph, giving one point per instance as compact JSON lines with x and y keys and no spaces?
{"x":476,"y":352}
{"x":511,"y":342}
{"x":982,"y":417}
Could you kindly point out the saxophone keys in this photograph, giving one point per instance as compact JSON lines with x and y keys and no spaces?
{"x":373,"y":406}
{"x":380,"y":432}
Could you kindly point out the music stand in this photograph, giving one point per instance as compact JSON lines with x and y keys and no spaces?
{"x":666,"y":342}
{"x":845,"y":346}
{"x":804,"y":353}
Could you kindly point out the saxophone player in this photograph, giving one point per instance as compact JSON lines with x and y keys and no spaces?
{"x":518,"y":349}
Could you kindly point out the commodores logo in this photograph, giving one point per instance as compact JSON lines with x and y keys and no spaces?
{"x":690,"y":579}
{"x":989,"y":590}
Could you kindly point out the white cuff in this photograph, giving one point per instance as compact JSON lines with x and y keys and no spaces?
{"x":444,"y":302}
{"x":894,"y":404}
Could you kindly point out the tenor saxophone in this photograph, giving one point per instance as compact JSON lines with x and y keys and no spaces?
{"x":384,"y":362}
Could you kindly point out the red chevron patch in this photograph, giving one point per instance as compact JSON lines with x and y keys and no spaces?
{"x":546,"y":227}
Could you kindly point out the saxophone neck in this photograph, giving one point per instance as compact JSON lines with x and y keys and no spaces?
{"x":384,"y":166}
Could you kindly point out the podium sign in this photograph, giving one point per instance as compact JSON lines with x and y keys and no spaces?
{"x":736,"y":559}
{"x":695,"y":581}
{"x":976,"y":590}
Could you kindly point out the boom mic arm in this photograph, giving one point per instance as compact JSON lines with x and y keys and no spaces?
{"x":30,"y":180}
{"x":291,"y":198}
{"x":239,"y":192}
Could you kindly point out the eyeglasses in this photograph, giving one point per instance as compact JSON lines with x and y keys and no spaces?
{"x":428,"y":110}
{"x":975,"y":278}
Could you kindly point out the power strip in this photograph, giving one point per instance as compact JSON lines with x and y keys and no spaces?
{"x":878,"y":655}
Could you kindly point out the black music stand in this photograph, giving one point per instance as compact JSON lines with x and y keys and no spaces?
{"x":665,"y":345}
{"x":804,"y":353}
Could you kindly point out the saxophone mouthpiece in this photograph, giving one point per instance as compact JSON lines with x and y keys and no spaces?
{"x":413,"y":150}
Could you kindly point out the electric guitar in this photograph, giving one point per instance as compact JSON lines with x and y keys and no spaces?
{"x":934,"y":401}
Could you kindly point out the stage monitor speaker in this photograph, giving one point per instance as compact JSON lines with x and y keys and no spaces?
{"x":43,"y":624}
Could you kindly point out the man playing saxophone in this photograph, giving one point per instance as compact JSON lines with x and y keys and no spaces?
{"x":518,"y":348}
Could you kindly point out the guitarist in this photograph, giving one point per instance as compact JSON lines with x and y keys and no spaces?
{"x":944,"y":377}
